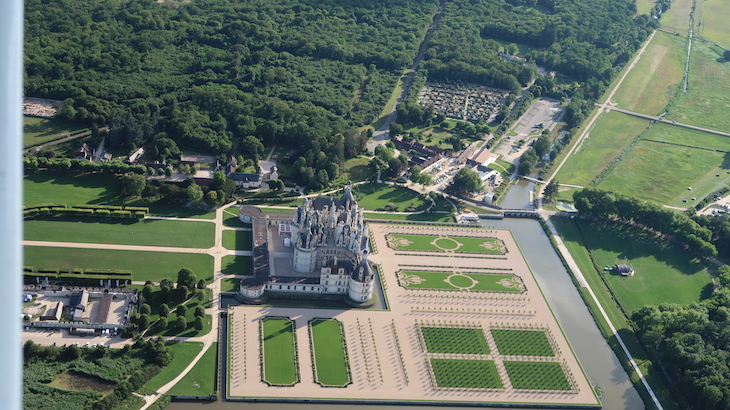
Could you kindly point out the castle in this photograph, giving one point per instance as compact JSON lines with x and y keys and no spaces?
{"x":323,"y":251}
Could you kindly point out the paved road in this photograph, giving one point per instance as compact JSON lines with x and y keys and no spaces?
{"x":665,"y":121}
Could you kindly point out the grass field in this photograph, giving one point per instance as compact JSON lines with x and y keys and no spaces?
{"x":473,"y":374}
{"x":459,"y":340}
{"x":237,"y":240}
{"x":536,"y":376}
{"x":474,"y":282}
{"x":708,"y":94}
{"x":676,"y":19}
{"x":679,"y":166}
{"x":280,"y":366}
{"x":714,"y":21}
{"x":611,"y":133}
{"x":230,"y":218}
{"x":415,"y":217}
{"x":512,"y":342}
{"x":236,"y":265}
{"x":38,"y":130}
{"x":644,"y":6}
{"x":182,"y":355}
{"x":153,"y":266}
{"x":461,"y":244}
{"x":149,"y":232}
{"x":330,"y":359}
{"x":653,"y":82}
{"x":376,"y":196}
{"x":200,"y":381}
{"x":189,"y":331}
{"x":230,"y":284}
{"x":664,"y":273}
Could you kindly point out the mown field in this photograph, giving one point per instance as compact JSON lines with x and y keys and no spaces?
{"x":153,"y":266}
{"x":376,"y":196}
{"x":279,"y":358}
{"x":38,"y":130}
{"x":149,"y":232}
{"x":652,"y":83}
{"x":182,"y":355}
{"x":236,"y":265}
{"x":663,"y":153}
{"x":201,"y":380}
{"x":611,"y":133}
{"x":714,"y":21}
{"x":708,"y":94}
{"x":237,"y":240}
{"x":330,"y":359}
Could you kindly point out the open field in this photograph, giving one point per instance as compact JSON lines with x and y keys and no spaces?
{"x":150,"y":232}
{"x":412,"y":217}
{"x":236,"y":265}
{"x":472,"y":374}
{"x":472,"y":282}
{"x":460,"y":244}
{"x":680,"y":167}
{"x":537,"y":375}
{"x":38,"y":130}
{"x":330,"y":358}
{"x":434,"y":135}
{"x":714,"y":21}
{"x":458,"y":340}
{"x":237,"y":240}
{"x":230,"y":218}
{"x":278,"y":352}
{"x":182,"y":355}
{"x":153,"y":266}
{"x":201,"y":379}
{"x":373,"y":197}
{"x":664,"y":273}
{"x":708,"y":94}
{"x":230,"y":284}
{"x":653,"y":82}
{"x":512,"y":342}
{"x":644,"y":6}
{"x":611,"y":133}
{"x":676,"y":19}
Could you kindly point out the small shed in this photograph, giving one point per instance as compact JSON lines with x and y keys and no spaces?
{"x":624,"y":270}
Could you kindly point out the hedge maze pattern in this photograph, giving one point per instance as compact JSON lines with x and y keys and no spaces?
{"x":445,"y":243}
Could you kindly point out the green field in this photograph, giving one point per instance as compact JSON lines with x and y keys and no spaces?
{"x":680,"y":167}
{"x":460,"y":340}
{"x":653,"y":82}
{"x":708,"y":94}
{"x":236,"y":265}
{"x":473,"y":282}
{"x":373,"y":197}
{"x":38,"y":130}
{"x":201,"y":379}
{"x":536,"y":376}
{"x":230,"y":218}
{"x":331,"y":367}
{"x":714,"y":21}
{"x":433,"y":217}
{"x":676,"y":19}
{"x":182,"y":355}
{"x":149,"y":232}
{"x":664,"y":273}
{"x":237,"y":240}
{"x":644,"y":6}
{"x":473,"y":374}
{"x":611,"y":133}
{"x":512,"y":342}
{"x":153,"y":266}
{"x":461,"y":244}
{"x":278,"y":345}
{"x":189,"y":331}
{"x":230,"y":284}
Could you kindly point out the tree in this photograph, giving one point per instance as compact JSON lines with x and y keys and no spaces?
{"x":181,"y":310}
{"x":211,"y":198}
{"x":132,"y":184}
{"x":147,"y":292}
{"x":199,"y":311}
{"x":415,"y":174}
{"x":71,"y":352}
{"x":541,"y":146}
{"x":466,"y":181}
{"x":201,"y":284}
{"x":181,"y":323}
{"x":276,"y":184}
{"x":198,"y":323}
{"x":202,"y":296}
{"x":162,"y":323}
{"x":168,"y":172}
{"x":145,"y":309}
{"x":164,"y":310}
{"x":726,"y":55}
{"x":723,"y":275}
{"x":144,"y":321}
{"x":186,"y":277}
{"x":551,"y":190}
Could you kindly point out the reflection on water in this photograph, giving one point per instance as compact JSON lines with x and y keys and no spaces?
{"x":599,"y":362}
{"x":519,"y":196}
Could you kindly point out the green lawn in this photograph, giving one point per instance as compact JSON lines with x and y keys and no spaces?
{"x":460,"y":340}
{"x":536,"y":376}
{"x":230,"y":218}
{"x":664,"y":272}
{"x":653,"y":82}
{"x":512,"y":342}
{"x":38,"y":130}
{"x":201,"y":380}
{"x":150,"y":232}
{"x":676,"y":19}
{"x":182,"y":355}
{"x":433,"y":217}
{"x":230,"y":284}
{"x":153,"y":266}
{"x":356,"y":169}
{"x":475,"y":374}
{"x":708,"y":94}
{"x":461,"y":244}
{"x":278,"y":345}
{"x":237,"y":240}
{"x":330,"y":358}
{"x":474,"y":282}
{"x":189,"y":331}
{"x":714,"y":21}
{"x":373,"y":197}
{"x":236,"y":265}
{"x":611,"y":133}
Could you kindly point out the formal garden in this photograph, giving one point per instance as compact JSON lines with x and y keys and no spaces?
{"x":537,"y":375}
{"x":469,"y":374}
{"x":445,"y":243}
{"x":513,"y":342}
{"x":459,"y":340}
{"x":329,"y":353}
{"x":279,"y":359}
{"x":472,"y":282}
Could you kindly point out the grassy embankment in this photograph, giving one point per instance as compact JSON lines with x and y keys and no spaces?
{"x":37,"y":131}
{"x":182,"y":355}
{"x":201,"y":380}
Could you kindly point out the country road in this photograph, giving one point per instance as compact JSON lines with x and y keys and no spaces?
{"x":665,"y":121}
{"x":62,"y":140}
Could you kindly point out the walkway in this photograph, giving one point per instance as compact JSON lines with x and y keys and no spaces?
{"x":665,"y":121}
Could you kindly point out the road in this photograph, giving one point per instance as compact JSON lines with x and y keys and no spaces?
{"x":62,"y":140}
{"x":665,"y":121}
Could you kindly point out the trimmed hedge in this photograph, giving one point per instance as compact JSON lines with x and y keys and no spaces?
{"x":84,"y":210}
